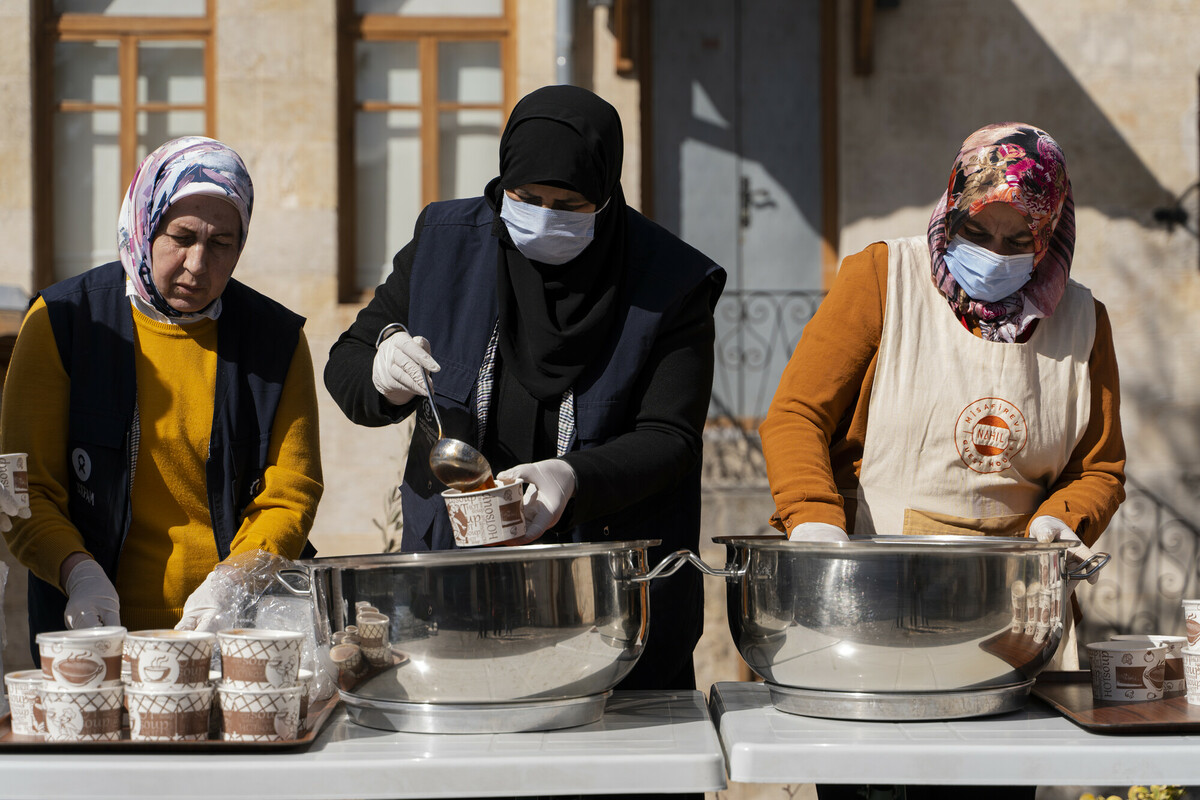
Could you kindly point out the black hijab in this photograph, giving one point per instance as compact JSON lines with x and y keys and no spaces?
{"x":554,"y":318}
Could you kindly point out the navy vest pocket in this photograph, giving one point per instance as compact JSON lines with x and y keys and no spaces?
{"x":420,"y":522}
{"x":596,"y":421}
{"x":249,"y":467}
{"x":98,"y":482}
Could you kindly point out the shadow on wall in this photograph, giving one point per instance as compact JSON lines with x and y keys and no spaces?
{"x":941,"y":71}
{"x":983,"y":63}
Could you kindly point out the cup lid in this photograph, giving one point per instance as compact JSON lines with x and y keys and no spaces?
{"x":81,"y":634}
{"x":1126,"y":646}
{"x":258,"y":633}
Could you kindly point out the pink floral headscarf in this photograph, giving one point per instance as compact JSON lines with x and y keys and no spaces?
{"x":180,"y":168}
{"x":1021,"y":166}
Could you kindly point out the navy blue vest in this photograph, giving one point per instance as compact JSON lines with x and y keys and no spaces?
{"x":93,"y":329}
{"x":453,"y":302}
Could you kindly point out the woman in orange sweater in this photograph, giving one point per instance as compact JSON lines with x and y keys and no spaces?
{"x":168,"y":411}
{"x":959,"y":382}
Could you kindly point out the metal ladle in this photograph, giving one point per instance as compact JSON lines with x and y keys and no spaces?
{"x":453,"y":461}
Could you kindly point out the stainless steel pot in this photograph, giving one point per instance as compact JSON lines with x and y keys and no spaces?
{"x":496,"y":639}
{"x":897,"y":626}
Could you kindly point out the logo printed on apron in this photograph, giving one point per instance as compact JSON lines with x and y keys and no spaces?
{"x":989,"y":433}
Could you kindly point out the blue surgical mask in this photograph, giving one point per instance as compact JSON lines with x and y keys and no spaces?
{"x":548,"y":235}
{"x":985,"y":275}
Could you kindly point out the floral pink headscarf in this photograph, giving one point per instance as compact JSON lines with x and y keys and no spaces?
{"x":1019,"y":165}
{"x":182,"y":167}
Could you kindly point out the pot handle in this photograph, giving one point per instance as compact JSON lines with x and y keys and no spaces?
{"x":672,"y":563}
{"x":283,"y":576}
{"x":1089,"y":567}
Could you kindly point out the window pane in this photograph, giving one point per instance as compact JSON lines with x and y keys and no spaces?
{"x":388,"y":174}
{"x":388,"y":71}
{"x":87,"y":190}
{"x":155,"y":128}
{"x":431,"y":8}
{"x":469,"y":72}
{"x":87,"y":72}
{"x":132,"y":8}
{"x":468,"y":152}
{"x":171,"y":72}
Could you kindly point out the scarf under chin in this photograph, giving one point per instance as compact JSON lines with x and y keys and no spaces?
{"x":180,"y":168}
{"x":1023,"y":167}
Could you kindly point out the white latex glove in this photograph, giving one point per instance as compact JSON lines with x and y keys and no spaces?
{"x":10,"y":509}
{"x":551,"y":486}
{"x":396,"y":371}
{"x":817,"y":532}
{"x":211,"y":606}
{"x":91,"y":598}
{"x":1051,"y":529}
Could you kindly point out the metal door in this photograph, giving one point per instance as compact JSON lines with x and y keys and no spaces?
{"x":737,"y":173}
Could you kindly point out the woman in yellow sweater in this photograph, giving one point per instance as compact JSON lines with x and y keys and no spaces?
{"x":168,"y":411}
{"x":959,"y":382}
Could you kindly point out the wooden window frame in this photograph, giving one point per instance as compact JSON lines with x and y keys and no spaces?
{"x":128,"y":32}
{"x":428,"y":33}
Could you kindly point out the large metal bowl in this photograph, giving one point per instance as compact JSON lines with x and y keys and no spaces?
{"x":507,"y":638}
{"x":897,"y":626}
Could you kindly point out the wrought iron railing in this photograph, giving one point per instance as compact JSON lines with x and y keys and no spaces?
{"x":1156,"y":563}
{"x":756,"y":332}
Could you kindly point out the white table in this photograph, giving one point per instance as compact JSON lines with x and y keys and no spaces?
{"x":1034,"y":746}
{"x":647,"y":742}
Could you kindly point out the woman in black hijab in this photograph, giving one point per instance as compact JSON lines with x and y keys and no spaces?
{"x":570,"y":339}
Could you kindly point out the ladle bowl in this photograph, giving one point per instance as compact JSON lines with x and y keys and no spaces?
{"x":458,"y":465}
{"x":453,"y":461}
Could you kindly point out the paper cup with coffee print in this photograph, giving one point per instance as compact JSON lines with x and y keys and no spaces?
{"x":260,"y":715}
{"x":1191,"y":674}
{"x":488,"y":516}
{"x":1018,"y":606}
{"x":82,"y":715}
{"x":25,"y":702}
{"x":1127,"y":672}
{"x":259,"y":658}
{"x":1173,"y":681}
{"x":307,"y":680}
{"x":83,"y":658}
{"x":373,"y":635}
{"x":14,"y":476}
{"x":1032,"y":613}
{"x":168,"y":659}
{"x":168,"y":715}
{"x":1045,"y":601}
{"x":1191,"y":620}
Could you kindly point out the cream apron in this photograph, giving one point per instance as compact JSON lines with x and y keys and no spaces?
{"x":964,"y":435}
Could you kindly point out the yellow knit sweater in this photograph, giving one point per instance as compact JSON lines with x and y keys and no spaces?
{"x":170,"y":546}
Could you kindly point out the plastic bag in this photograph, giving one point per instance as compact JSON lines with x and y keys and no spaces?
{"x":251,"y":596}
{"x":3,"y":629}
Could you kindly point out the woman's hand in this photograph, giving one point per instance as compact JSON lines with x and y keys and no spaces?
{"x":1052,"y":529}
{"x":210,"y":607}
{"x":551,"y":487}
{"x":9,"y":508}
{"x":817,"y":532}
{"x":396,"y":371}
{"x":91,"y":598}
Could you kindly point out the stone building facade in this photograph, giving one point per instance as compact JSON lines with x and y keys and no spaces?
{"x":1115,"y":81}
